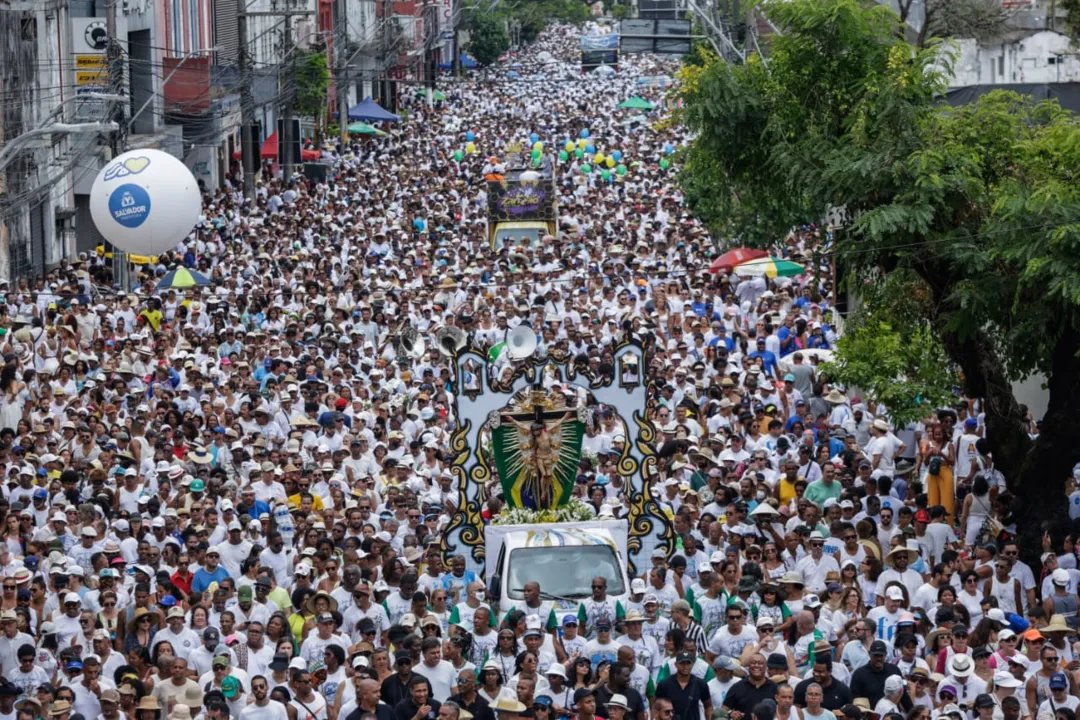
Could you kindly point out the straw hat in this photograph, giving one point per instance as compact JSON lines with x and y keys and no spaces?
{"x":1057,"y":624}
{"x":835,"y":397}
{"x":912,"y":555}
{"x":507,"y":705}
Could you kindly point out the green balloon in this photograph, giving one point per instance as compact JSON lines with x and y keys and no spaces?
{"x":535,"y":154}
{"x":579,"y":153}
{"x":606,"y":174}
{"x":536,"y":162}
{"x":620,"y":170}
{"x":458,"y":155}
{"x":563,"y":156}
{"x":586,"y":168}
{"x":665,"y":164}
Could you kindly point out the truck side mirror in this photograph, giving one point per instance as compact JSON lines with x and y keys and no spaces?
{"x":494,"y":591}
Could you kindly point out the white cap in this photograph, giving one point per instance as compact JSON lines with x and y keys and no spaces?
{"x":894,"y":593}
{"x":1060,"y":577}
{"x":235,"y":525}
{"x":88,"y":532}
{"x":72,"y":598}
{"x":637,"y":586}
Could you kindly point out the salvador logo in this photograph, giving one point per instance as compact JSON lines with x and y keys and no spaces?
{"x":129,"y":205}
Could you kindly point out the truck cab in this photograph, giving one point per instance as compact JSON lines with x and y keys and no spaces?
{"x":562,"y":557}
{"x":522,"y":206}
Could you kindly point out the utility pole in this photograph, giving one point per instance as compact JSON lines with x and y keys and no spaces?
{"x":286,"y":139}
{"x":121,"y":269}
{"x":247,"y":112}
{"x":388,"y":19}
{"x":341,"y":75}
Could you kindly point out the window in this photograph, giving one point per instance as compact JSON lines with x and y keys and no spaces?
{"x":564,"y":572}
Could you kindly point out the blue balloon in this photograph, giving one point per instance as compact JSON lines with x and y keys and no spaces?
{"x":669,"y":148}
{"x":534,"y":138}
{"x":617,"y":155}
{"x":590,"y":149}
{"x":470,"y":136}
{"x":584,"y":134}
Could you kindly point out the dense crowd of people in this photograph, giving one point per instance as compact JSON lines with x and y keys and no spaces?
{"x":228,"y":501}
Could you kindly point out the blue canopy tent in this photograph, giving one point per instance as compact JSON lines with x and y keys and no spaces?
{"x":467,"y":63}
{"x":369,"y":111}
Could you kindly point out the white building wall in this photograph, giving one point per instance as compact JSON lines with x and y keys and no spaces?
{"x":1043,"y":57}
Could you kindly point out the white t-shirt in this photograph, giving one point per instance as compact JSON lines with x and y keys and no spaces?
{"x":442,"y":677}
{"x":273,"y":711}
{"x":885,"y":446}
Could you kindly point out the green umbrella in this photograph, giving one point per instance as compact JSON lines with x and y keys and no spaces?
{"x":362,"y":128}
{"x":438,"y":96}
{"x":636,"y":103}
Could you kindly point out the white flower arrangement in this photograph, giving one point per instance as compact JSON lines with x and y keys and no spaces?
{"x":573,"y":511}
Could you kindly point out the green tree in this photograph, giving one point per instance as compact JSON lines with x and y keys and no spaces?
{"x":978,"y":202}
{"x":984,"y":20}
{"x":900,"y":364}
{"x":488,"y":38}
{"x":312,"y":78}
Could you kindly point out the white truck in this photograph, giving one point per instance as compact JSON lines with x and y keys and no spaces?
{"x":562,"y":557}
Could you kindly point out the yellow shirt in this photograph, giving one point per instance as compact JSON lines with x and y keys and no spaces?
{"x":294,"y":502}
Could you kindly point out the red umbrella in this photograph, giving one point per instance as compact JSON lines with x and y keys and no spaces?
{"x":735,"y":257}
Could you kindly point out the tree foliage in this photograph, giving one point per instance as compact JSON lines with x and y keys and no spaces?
{"x":900,"y":364}
{"x":312,"y":77}
{"x":984,"y":20}
{"x":980,"y":202}
{"x":488,"y":38}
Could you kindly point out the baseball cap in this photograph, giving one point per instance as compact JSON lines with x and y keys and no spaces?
{"x":1058,"y":681}
{"x":878,"y":648}
{"x":894,"y":593}
{"x":686,"y":657}
{"x":569,"y":620}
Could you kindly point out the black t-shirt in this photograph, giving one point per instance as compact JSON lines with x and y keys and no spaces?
{"x":836,"y":696}
{"x":633,"y":699}
{"x":407,"y":709}
{"x":743,"y":695}
{"x":480,"y":708}
{"x":684,"y":700}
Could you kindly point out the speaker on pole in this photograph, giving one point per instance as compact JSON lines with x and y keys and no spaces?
{"x":294,"y":144}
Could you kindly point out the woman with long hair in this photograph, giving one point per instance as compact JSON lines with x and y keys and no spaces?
{"x":380,"y":664}
{"x":506,"y":652}
{"x":277,"y":629}
{"x":11,"y":412}
{"x":936,"y":457}
{"x":139,"y":631}
{"x":851,"y":611}
{"x":977,"y":508}
{"x":869,"y":572}
{"x":145,"y":662}
{"x":525,"y":666}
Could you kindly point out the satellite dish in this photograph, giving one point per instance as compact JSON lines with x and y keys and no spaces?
{"x":521,"y":342}
{"x":451,"y":340}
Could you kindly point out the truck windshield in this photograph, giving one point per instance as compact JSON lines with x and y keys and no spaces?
{"x":564,"y":571}
{"x":518,"y":237}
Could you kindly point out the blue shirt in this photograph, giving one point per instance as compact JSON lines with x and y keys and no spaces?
{"x":767,"y":359}
{"x":202,"y":579}
{"x":258,"y":509}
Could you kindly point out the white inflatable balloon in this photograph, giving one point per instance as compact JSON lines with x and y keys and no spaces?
{"x":145,"y":202}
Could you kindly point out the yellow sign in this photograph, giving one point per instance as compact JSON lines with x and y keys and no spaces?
{"x":91,"y":77}
{"x":84,"y":62}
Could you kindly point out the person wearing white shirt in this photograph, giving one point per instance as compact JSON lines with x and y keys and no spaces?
{"x":440,"y":673}
{"x":814,"y":567}
{"x":897,"y":561}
